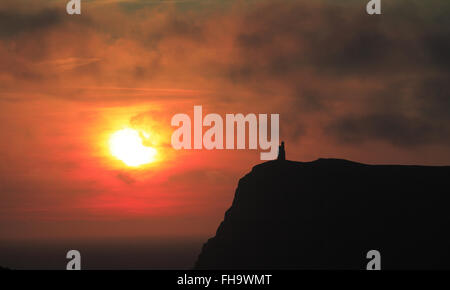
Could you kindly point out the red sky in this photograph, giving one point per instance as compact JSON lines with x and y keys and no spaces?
{"x":346,"y":85}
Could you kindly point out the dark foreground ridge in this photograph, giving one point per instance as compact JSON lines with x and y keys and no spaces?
{"x":327,"y":214}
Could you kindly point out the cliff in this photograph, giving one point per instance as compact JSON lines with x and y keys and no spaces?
{"x":327,"y":214}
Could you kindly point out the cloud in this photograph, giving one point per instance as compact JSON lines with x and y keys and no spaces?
{"x":14,"y":23}
{"x":321,"y":65}
{"x":70,"y":63}
{"x":126,"y":178}
{"x":395,"y":129}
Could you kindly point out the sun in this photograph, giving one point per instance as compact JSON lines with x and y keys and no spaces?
{"x":128,"y":146}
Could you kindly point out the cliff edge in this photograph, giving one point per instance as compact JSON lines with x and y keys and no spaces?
{"x":327,"y":214}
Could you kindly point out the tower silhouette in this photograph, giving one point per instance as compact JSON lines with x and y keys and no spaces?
{"x":281,"y":152}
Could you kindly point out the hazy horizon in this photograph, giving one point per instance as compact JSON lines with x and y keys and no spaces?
{"x":107,"y":254}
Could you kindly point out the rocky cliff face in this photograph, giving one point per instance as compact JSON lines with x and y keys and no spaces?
{"x":329,"y":213}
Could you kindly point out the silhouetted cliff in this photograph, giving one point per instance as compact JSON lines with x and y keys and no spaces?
{"x":327,"y":214}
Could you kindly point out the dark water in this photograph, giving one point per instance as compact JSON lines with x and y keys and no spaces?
{"x":111,"y":254}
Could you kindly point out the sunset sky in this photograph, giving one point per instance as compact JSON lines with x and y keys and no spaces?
{"x":372,"y":89}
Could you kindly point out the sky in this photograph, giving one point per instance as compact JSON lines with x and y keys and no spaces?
{"x":371,"y":89}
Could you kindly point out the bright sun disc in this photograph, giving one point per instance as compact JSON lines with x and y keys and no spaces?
{"x":127,"y":145}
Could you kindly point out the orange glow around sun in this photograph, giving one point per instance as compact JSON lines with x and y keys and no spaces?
{"x":128,"y":146}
